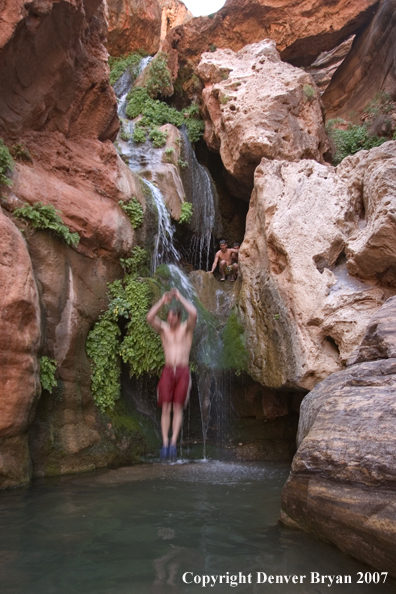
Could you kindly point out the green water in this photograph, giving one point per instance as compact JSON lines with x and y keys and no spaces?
{"x":138,"y":530}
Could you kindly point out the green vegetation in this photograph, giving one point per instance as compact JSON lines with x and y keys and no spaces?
{"x":212,"y":47}
{"x":224,"y":99}
{"x":309,"y":92}
{"x":376,"y":127}
{"x":235,"y":354}
{"x":182,"y":164}
{"x":134,"y":210}
{"x":140,"y":347}
{"x":157,"y":113}
{"x":350,"y":141}
{"x":159,"y":81}
{"x":169,"y":154}
{"x":119,"y":65}
{"x":20,"y":153}
{"x":139,"y":135}
{"x":157,"y":137}
{"x":6,"y":164}
{"x":47,"y":373}
{"x":42,"y":216}
{"x":186,"y":212}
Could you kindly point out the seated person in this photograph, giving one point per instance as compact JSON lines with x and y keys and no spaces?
{"x":224,"y":258}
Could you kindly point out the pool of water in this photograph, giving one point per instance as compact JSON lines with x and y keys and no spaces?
{"x":141,"y":529}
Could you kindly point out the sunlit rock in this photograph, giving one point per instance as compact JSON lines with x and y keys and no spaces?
{"x":304,"y":314}
{"x":257,"y":106}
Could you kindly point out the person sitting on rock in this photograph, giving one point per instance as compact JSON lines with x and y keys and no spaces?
{"x":224,"y":258}
{"x":234,"y":258}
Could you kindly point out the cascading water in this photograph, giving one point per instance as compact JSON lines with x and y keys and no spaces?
{"x":164,"y":249}
{"x":201,"y":193}
{"x":212,"y":382}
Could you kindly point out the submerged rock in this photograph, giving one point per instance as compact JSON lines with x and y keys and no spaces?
{"x":257,"y":106}
{"x":341,"y":485}
{"x":303,"y":312}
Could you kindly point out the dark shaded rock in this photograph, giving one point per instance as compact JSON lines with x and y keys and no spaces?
{"x":370,"y":67}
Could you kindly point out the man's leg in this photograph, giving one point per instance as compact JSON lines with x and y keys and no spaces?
{"x":222,"y":266}
{"x":234,"y":272}
{"x":165,"y":423}
{"x":177,"y":421}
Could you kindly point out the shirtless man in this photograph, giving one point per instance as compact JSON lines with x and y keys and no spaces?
{"x":175,"y":383}
{"x":224,"y":256}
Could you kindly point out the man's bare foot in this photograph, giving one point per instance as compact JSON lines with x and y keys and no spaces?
{"x":222,"y":279}
{"x":233,"y":279}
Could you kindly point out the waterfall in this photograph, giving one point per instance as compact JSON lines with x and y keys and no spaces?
{"x":164,"y":250}
{"x":212,"y":382}
{"x":200,"y":192}
{"x":213,"y":391}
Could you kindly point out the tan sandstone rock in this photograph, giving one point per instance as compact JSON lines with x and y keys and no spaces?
{"x":341,"y":485}
{"x":20,"y":331}
{"x":256,"y":106}
{"x":371,"y":250}
{"x":303,"y":313}
{"x":302,"y":29}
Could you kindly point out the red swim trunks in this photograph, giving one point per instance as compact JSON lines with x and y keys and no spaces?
{"x":174,"y":386}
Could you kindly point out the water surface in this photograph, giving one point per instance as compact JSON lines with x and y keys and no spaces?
{"x":138,"y":530}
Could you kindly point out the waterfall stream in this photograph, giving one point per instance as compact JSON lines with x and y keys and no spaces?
{"x":200,"y":191}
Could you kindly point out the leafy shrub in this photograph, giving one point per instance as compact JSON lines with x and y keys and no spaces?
{"x":20,"y":153}
{"x":351,"y":140}
{"x":47,"y":373}
{"x":309,"y":92}
{"x":168,"y":154}
{"x":182,"y":164}
{"x":135,"y":262}
{"x":212,"y":47}
{"x":119,"y":65}
{"x":6,"y":164}
{"x":139,"y":135}
{"x":130,"y":299}
{"x":157,"y":137}
{"x":186,"y":212}
{"x":157,"y":113}
{"x":159,"y":81}
{"x":42,"y":216}
{"x":134,"y":210}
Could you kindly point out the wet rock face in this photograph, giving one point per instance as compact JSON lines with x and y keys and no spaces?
{"x":342,"y":480}
{"x":53,"y":68}
{"x":256,"y":106}
{"x":20,"y":340}
{"x":368,"y":68}
{"x":304,"y":314}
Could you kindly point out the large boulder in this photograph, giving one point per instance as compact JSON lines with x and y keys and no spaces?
{"x":341,"y":482}
{"x":257,"y":106}
{"x":301,"y":29}
{"x":304,"y":313}
{"x":370,"y":67}
{"x":20,"y":330}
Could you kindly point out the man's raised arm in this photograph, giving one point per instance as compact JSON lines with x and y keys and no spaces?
{"x":190,"y":309}
{"x":152,"y":317}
